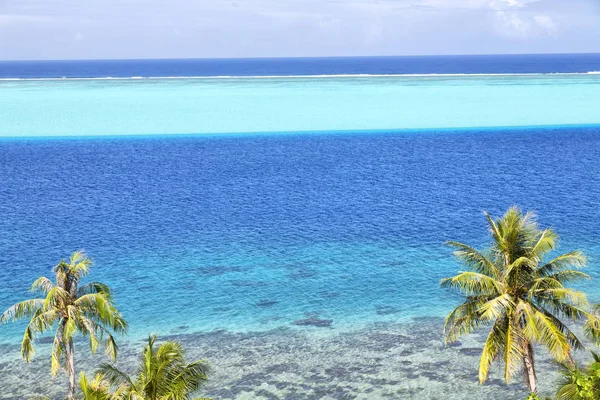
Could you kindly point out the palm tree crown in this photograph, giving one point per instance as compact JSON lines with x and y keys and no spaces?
{"x":524,"y":298}
{"x":71,"y":308}
{"x":162,"y":374}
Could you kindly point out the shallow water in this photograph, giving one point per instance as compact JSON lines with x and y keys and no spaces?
{"x":285,"y":104}
{"x":382,"y":361}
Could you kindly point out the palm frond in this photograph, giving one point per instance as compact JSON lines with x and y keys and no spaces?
{"x":513,"y":349}
{"x":464,"y":319}
{"x":545,"y":243}
{"x":559,"y":308}
{"x":474,"y":260}
{"x":540,"y":328}
{"x":80,"y":263}
{"x":58,"y":352}
{"x":93,"y":287}
{"x":42,"y":284}
{"x":497,"y":307}
{"x":115,"y":376}
{"x":491,"y":349}
{"x":568,"y":295}
{"x":573,"y":340}
{"x":24,"y":309}
{"x":592,"y":326}
{"x":27,"y":350}
{"x":572,"y":260}
{"x":473,"y":283}
{"x":111,"y":348}
{"x":99,"y":307}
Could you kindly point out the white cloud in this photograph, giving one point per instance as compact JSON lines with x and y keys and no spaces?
{"x":6,"y":19}
{"x":236,"y":28}
{"x":547,"y":23}
{"x":523,"y":25}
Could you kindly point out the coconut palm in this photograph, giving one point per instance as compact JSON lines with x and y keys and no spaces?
{"x":70,"y":308}
{"x":95,"y":389}
{"x":524,"y":298}
{"x":162,"y":374}
{"x":580,"y":383}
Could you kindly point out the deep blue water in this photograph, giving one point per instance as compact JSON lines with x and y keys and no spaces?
{"x":477,"y":64}
{"x":257,"y":231}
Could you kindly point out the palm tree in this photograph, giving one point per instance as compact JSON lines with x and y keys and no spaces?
{"x":580,"y":384}
{"x":524,"y":298}
{"x":96,"y":389}
{"x":161,"y":375}
{"x":71,"y":308}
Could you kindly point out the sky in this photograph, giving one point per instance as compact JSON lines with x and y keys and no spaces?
{"x":99,"y":29}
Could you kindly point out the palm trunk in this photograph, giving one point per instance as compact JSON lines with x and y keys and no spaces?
{"x":529,"y":368}
{"x":71,"y":369}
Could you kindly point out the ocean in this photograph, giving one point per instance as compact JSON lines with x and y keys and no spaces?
{"x":228,"y":213}
{"x":464,"y":64}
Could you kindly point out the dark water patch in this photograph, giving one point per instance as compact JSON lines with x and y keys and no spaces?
{"x":278,"y":384}
{"x":196,"y":337}
{"x":412,"y":375}
{"x":266,"y":303}
{"x":266,"y":394}
{"x":248,"y":284}
{"x":303,"y":274}
{"x":395,"y":263}
{"x":253,"y":379}
{"x":314,"y":321}
{"x":181,"y":328}
{"x":217,"y":270}
{"x":441,"y":364}
{"x":45,"y":340}
{"x":470,"y":351}
{"x":281,"y":368}
{"x":383,"y":382}
{"x":328,"y":295}
{"x":6,"y":347}
{"x":386,"y":310}
{"x":318,"y":379}
{"x":434,"y":376}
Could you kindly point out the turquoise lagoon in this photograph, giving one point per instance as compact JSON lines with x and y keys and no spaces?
{"x":72,"y":107}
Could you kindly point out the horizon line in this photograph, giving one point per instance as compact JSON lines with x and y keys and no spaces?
{"x":309,"y":76}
